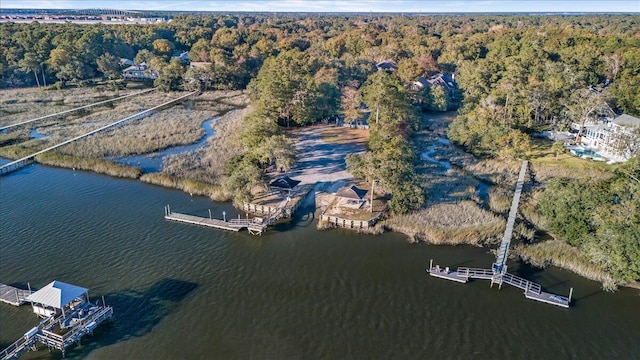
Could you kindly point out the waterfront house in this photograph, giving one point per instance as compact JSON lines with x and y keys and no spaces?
{"x":57,"y":298}
{"x":445,"y":80}
{"x":419,"y":84}
{"x":617,"y":139}
{"x":140,"y":72}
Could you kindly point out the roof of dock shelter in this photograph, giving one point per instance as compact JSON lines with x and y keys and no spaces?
{"x":57,"y":294}
{"x":284,"y":182}
{"x":352,"y":192}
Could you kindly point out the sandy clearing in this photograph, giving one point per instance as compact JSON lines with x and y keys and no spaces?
{"x":320,"y":162}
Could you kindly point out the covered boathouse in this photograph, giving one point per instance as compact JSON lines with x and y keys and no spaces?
{"x":58,"y":298}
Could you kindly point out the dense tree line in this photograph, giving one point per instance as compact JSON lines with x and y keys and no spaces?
{"x":391,"y":156}
{"x":602,"y":218}
{"x":517,"y":75}
{"x":519,"y":80}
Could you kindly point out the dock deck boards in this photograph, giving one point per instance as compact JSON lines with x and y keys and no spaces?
{"x":197,"y":220}
{"x":448,"y":275}
{"x":532,"y":290}
{"x":12,"y":295}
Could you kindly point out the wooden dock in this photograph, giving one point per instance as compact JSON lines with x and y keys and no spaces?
{"x":45,"y":333}
{"x":12,"y":295}
{"x":255,"y":226}
{"x":202,"y":221}
{"x":498,"y":273}
{"x":532,"y":290}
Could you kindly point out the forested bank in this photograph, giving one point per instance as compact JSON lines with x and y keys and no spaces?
{"x":517,"y":75}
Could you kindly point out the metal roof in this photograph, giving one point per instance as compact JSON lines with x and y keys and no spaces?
{"x":626,"y":120}
{"x":284,"y":182}
{"x":352,"y":192}
{"x":57,"y":294}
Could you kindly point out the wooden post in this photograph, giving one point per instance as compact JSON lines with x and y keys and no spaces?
{"x":209,"y":214}
{"x":373,"y":184}
{"x":570,"y":294}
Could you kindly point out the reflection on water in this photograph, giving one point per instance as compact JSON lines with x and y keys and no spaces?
{"x":429,"y":155}
{"x":34,"y":134}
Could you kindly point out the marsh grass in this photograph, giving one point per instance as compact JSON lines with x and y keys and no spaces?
{"x":24,"y":104}
{"x":96,"y":165}
{"x":213,"y":191}
{"x":563,"y":255}
{"x":575,"y":168}
{"x":325,"y":225}
{"x":500,"y":199}
{"x":450,"y":223}
{"x":166,"y":128}
{"x":206,"y":164}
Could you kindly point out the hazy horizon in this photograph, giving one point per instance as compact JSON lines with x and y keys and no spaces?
{"x":334,"y":6}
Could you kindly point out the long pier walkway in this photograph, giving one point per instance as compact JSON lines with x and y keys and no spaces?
{"x":12,"y":295}
{"x":17,"y":164}
{"x":498,"y":273}
{"x":255,"y":226}
{"x":51,"y":116}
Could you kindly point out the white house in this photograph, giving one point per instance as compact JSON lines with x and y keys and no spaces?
{"x":618,"y":139}
{"x":140,"y":72}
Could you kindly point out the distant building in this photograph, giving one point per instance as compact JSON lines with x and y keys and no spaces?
{"x":183,"y":56}
{"x":140,"y":72}
{"x":618,"y":139}
{"x":419,"y":84}
{"x":387,"y":65}
{"x":126,"y":62}
{"x":446,"y":80}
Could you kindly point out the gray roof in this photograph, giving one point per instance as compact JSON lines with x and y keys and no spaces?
{"x":626,"y":120}
{"x":284,"y":182}
{"x":57,"y":294}
{"x":352,"y":192}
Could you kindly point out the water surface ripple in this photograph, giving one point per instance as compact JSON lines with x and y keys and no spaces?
{"x":187,"y":292}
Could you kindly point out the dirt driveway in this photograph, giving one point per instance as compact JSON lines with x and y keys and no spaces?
{"x":321,"y":151}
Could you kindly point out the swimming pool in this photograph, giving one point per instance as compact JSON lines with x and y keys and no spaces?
{"x":587,"y":154}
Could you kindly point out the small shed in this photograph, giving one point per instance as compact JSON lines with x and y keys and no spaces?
{"x":57,"y":297}
{"x":352,"y":192}
{"x":284,"y":183}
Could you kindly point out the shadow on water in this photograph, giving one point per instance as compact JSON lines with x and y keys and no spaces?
{"x":135,"y":314}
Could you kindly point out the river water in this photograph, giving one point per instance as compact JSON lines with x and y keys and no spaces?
{"x":185,"y":292}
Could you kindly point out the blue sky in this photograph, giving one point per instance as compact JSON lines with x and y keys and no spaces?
{"x":340,"y":5}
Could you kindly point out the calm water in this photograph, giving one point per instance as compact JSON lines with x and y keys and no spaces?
{"x":184,"y":292}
